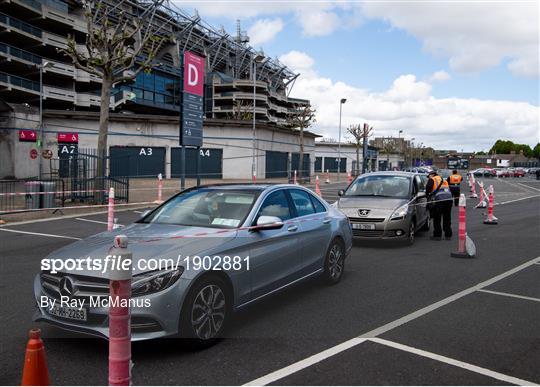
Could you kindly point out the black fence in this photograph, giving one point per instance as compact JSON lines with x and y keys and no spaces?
{"x":72,"y":179}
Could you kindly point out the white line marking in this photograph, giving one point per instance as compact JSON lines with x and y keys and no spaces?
{"x":298,"y":366}
{"x":516,"y":200}
{"x":509,"y":295}
{"x":456,"y":363}
{"x":66,"y":217}
{"x":39,"y":234}
{"x":281,"y":373}
{"x":528,"y":186}
{"x":94,"y":221}
{"x":138,"y":212}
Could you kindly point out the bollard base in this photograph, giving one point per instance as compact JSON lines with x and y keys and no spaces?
{"x":494,"y":221}
{"x":474,"y":196}
{"x":458,"y":254}
{"x":158,"y":202}
{"x":481,"y":205}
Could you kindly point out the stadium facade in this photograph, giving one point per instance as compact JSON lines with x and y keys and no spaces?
{"x":144,"y":113}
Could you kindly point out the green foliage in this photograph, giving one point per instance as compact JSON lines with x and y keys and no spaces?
{"x":507,"y":146}
{"x":481,"y":153}
{"x":536,"y":151}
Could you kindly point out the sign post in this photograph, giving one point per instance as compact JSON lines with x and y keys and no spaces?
{"x":191,"y":116}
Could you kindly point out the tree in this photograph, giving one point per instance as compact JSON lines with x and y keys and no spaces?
{"x":507,"y":146}
{"x":360,"y":134}
{"x":357,"y":133}
{"x":302,"y":119}
{"x":536,"y":151}
{"x":241,"y":111}
{"x":118,"y":46}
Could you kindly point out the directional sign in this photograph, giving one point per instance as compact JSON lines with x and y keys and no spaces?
{"x":191,"y":131}
{"x":26,"y":135}
{"x":68,"y":138}
{"x":33,"y":154}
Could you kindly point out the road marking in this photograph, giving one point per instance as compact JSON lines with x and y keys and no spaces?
{"x":281,"y":373}
{"x":509,"y":295}
{"x":516,"y":200}
{"x":138,"y":212}
{"x":527,"y":186}
{"x":94,"y":221}
{"x":71,"y":216}
{"x":39,"y":234}
{"x":456,"y":363}
{"x":300,"y":365}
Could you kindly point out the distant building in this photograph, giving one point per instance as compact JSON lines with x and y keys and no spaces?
{"x":326,"y":157}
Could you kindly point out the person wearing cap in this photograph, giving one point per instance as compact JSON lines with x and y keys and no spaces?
{"x":440,"y":204}
{"x":454,"y":181}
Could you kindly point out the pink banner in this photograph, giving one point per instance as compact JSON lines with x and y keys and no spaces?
{"x":193,"y":73}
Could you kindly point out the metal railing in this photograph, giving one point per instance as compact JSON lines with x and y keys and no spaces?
{"x":20,"y":82}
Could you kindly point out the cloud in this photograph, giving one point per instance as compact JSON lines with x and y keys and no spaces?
{"x":444,"y":123}
{"x":315,"y":18}
{"x":264,"y":30}
{"x":474,"y":36}
{"x":439,"y":76}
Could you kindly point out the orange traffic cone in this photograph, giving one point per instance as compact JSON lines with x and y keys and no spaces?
{"x":35,"y":371}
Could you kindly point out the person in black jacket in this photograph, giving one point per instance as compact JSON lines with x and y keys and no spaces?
{"x":440,"y":199}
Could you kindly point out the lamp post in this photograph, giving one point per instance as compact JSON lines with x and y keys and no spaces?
{"x":258,"y":58}
{"x":42,"y":66}
{"x":341,"y":102}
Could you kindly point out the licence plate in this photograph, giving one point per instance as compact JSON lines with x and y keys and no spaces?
{"x":67,"y":312}
{"x":363,"y":226}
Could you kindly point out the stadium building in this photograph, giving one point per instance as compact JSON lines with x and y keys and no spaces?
{"x":144,"y":122}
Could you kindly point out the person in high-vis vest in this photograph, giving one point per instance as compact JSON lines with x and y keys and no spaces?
{"x":440,"y":203}
{"x":454,"y":181}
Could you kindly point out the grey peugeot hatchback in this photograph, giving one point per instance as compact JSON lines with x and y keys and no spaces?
{"x":386,"y":205}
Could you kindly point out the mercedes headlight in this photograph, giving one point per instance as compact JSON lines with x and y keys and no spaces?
{"x":154,"y":281}
{"x":400,"y":213}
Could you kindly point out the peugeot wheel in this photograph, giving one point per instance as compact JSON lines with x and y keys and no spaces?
{"x":206,"y":311}
{"x":334,"y":264}
{"x":411,"y":233}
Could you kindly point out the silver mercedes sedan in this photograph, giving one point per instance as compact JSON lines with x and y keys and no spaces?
{"x":386,"y":205}
{"x":227,"y":247}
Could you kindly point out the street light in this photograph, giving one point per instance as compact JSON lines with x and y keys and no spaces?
{"x":42,"y":66}
{"x":258,"y":58}
{"x":341,"y":102}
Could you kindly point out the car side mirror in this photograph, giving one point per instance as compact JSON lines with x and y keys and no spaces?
{"x":421,"y":194}
{"x":341,"y":192}
{"x":268,"y":223}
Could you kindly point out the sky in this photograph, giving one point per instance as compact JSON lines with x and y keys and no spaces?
{"x":450,"y":74}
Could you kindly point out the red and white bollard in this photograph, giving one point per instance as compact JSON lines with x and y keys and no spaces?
{"x":473,"y":189}
{"x":471,"y":177}
{"x":462,"y":232}
{"x":327,"y":177}
{"x":349,"y":177}
{"x":119,"y":316}
{"x":491,"y":219}
{"x":160,"y":190}
{"x":317,"y":186}
{"x":482,"y":201}
{"x":295,"y":181}
{"x":254,"y":177}
{"x":110,"y":210}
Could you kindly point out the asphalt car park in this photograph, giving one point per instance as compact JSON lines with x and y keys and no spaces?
{"x":401,"y":315}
